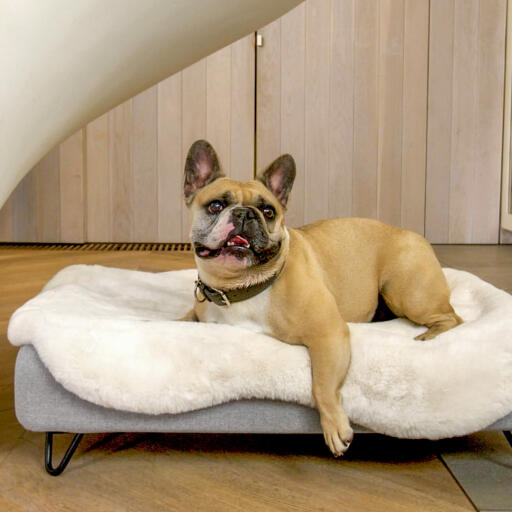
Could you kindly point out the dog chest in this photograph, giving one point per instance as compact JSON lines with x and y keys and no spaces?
{"x":250,"y":314}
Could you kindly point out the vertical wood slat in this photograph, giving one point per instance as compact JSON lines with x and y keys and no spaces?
{"x":120,"y":164}
{"x":414,"y":131}
{"x":366,"y":110}
{"x":465,"y":121}
{"x":317,"y":109}
{"x":242,"y":109}
{"x":144,"y":166}
{"x":6,"y":220}
{"x":24,"y":210}
{"x":341,"y":111}
{"x":47,"y":178}
{"x":170,"y":172}
{"x":440,"y":90}
{"x":490,"y":83}
{"x":391,"y":76}
{"x":193,"y":120}
{"x":465,"y":67}
{"x":268,"y":103}
{"x":218,"y":105}
{"x":292,"y":101}
{"x":71,"y":154}
{"x":98,"y":183}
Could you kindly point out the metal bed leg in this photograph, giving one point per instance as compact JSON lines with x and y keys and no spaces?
{"x":508,"y":435}
{"x":67,"y":456}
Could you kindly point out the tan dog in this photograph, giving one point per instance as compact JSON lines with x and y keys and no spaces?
{"x":302,"y":285}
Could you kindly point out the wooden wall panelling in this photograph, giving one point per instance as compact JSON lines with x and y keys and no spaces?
{"x":218,"y":105}
{"x":292,"y":137}
{"x":242,"y":109}
{"x":47,"y":174}
{"x":170,"y":171}
{"x":366,"y":109}
{"x":6,"y":222}
{"x":414,"y":131}
{"x":354,"y":100}
{"x":341,"y":117}
{"x":24,"y":210}
{"x":144,"y":166}
{"x":317,"y":76}
{"x":390,"y":91}
{"x":193,"y":120}
{"x":489,"y":118}
{"x":72,"y":206}
{"x":120,"y":163}
{"x":464,"y":130}
{"x":465,"y":120}
{"x":98,"y":209}
{"x":268,"y":102}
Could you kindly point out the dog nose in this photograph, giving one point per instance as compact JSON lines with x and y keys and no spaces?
{"x":243,"y":213}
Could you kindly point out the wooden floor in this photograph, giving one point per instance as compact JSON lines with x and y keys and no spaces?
{"x":141,"y":472}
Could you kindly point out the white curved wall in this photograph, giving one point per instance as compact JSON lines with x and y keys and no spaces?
{"x":64,"y":63}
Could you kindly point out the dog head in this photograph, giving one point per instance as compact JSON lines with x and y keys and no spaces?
{"x":237,"y":228}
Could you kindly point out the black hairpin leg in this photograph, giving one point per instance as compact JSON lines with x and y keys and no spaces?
{"x":508,"y":435}
{"x":67,"y":456}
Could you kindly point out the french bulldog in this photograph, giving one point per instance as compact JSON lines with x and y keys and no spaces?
{"x":303,"y":285}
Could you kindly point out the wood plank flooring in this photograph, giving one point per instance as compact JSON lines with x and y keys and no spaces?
{"x":142,"y":472}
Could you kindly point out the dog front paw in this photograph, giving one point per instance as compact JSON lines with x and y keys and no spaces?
{"x":338,"y":435}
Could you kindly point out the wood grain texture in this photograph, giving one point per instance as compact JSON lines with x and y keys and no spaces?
{"x":465,"y":120}
{"x":170,"y":172}
{"x":391,"y":78}
{"x":72,"y":176}
{"x":24,"y":209}
{"x":465,"y":67}
{"x":439,"y":143}
{"x":98,"y":182}
{"x":268,"y":103}
{"x":47,"y":179}
{"x":292,"y":102}
{"x":317,"y":76}
{"x":6,"y":220}
{"x":414,"y":130}
{"x":218,"y":105}
{"x":144,"y":167}
{"x":366,"y":109}
{"x":341,"y":109}
{"x":489,"y":118}
{"x":242,"y":109}
{"x":193,"y":120}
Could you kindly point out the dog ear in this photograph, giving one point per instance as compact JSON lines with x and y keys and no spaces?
{"x":278,"y":177}
{"x":201,"y":168}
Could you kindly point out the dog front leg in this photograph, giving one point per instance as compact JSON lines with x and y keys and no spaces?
{"x":189,"y":317}
{"x":330,"y":359}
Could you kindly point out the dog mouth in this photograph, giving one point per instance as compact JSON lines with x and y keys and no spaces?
{"x":236,"y":245}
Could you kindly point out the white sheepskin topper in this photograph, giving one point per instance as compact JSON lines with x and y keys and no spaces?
{"x":110,"y":336}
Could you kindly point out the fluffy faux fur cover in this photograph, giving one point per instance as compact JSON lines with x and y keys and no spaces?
{"x":108,"y":336}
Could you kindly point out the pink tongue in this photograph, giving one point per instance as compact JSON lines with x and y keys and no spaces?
{"x":238,"y":240}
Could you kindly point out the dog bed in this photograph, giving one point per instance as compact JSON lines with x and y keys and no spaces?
{"x":108,"y":336}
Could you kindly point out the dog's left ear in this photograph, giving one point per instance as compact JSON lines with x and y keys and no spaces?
{"x":201,"y":168}
{"x":278,"y":177}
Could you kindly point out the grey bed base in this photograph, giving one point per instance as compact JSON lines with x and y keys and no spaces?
{"x":43,"y":405}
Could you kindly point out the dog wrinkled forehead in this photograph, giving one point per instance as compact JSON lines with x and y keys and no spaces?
{"x":250,"y":193}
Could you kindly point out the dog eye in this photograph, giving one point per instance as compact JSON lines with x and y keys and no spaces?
{"x":215,"y":207}
{"x":269,"y":213}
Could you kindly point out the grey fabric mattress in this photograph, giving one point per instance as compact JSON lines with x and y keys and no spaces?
{"x":43,"y":405}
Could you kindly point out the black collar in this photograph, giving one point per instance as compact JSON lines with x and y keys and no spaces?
{"x":228,"y":297}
